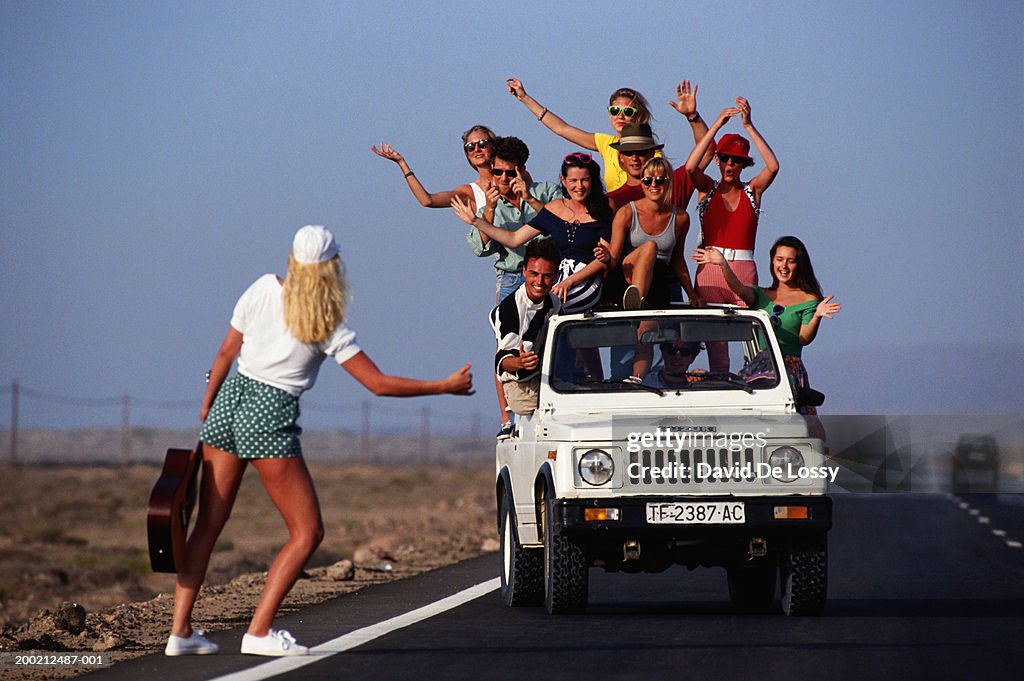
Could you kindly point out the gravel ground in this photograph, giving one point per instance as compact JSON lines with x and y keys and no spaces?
{"x":76,"y":535}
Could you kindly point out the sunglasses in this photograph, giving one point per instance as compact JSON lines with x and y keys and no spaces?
{"x":645,"y":152}
{"x":479,"y":144}
{"x":775,"y":318}
{"x":657,"y":181}
{"x":738,"y":160}
{"x":578,"y":159}
{"x":682,"y":352}
{"x":497,"y":172}
{"x":626,"y":111}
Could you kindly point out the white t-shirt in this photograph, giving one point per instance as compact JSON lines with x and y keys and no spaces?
{"x":270,"y":353}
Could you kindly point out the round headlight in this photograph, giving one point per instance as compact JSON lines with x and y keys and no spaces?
{"x":596,"y":467}
{"x":785,"y":461}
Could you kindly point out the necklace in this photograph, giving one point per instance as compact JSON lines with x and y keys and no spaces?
{"x":574,"y":223}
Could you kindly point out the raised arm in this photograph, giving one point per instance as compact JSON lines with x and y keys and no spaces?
{"x":552,"y":122}
{"x":702,"y":182}
{"x":710,"y":256}
{"x":686,"y":104}
{"x":771,"y":164}
{"x":502,"y":236}
{"x":366,"y":372}
{"x":426,"y":199}
{"x":826,"y":308}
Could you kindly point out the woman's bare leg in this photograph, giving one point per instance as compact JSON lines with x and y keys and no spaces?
{"x":222,"y":474}
{"x":638,"y":267}
{"x":643,"y":355}
{"x":290,"y":487}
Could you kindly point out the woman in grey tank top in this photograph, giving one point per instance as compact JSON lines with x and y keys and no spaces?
{"x":648,"y":247}
{"x":647,"y":242}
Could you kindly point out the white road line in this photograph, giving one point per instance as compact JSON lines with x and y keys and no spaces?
{"x":283,"y":665}
{"x":983,"y":520}
{"x":999,"y":533}
{"x":1013,"y":544}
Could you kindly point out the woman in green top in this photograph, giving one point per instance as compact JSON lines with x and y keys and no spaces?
{"x":794,"y":301}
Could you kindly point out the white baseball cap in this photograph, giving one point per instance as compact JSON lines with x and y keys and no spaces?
{"x":314,"y":244}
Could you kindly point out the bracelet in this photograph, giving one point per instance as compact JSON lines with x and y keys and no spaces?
{"x":408,"y":174}
{"x":543,"y":114}
{"x":696,"y":117}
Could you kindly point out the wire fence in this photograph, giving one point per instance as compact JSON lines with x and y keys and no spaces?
{"x":377,"y":433}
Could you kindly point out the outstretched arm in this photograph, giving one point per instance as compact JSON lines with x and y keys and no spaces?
{"x":702,"y":182}
{"x":580,"y":138}
{"x":366,"y":372}
{"x":686,"y":104}
{"x":826,"y":308}
{"x":226,"y":355}
{"x":502,"y":236}
{"x":771,"y":164}
{"x":710,"y":256}
{"x":426,"y":199}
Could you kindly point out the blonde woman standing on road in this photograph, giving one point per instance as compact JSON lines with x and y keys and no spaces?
{"x":281,"y":331}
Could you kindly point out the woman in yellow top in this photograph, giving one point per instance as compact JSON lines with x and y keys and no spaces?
{"x":625,"y":105}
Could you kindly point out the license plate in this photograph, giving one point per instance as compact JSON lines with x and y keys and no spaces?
{"x":696,"y":513}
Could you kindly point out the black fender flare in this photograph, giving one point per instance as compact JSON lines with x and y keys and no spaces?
{"x":503,"y":487}
{"x":544,"y":480}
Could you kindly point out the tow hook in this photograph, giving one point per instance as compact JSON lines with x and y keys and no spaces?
{"x":758,"y":548}
{"x":631,"y":550}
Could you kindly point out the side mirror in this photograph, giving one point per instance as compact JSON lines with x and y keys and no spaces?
{"x":809,"y":397}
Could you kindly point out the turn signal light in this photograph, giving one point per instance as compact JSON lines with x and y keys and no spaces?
{"x":600,"y":514}
{"x":791,"y":512}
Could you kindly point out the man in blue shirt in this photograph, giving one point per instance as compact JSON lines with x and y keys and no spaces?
{"x":516,"y":200}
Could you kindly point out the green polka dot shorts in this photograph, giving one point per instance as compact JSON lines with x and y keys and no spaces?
{"x":253,"y":420}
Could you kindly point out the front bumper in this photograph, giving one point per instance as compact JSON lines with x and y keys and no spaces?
{"x":760,"y":517}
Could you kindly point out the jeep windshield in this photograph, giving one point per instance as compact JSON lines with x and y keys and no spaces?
{"x":664,"y":355}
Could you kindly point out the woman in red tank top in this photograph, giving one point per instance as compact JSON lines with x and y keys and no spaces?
{"x":728,"y":210}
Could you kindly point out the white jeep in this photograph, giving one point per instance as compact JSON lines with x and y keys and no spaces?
{"x":716,"y":468}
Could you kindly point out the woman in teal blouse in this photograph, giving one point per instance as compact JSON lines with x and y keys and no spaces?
{"x":794,"y":300}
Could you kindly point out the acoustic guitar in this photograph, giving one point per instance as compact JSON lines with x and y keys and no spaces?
{"x":170,"y":508}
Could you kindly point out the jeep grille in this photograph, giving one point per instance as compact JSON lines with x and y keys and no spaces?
{"x":683,"y":465}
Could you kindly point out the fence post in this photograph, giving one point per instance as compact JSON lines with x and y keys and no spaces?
{"x":425,"y":435}
{"x":14,"y":421}
{"x":126,"y":430}
{"x":364,"y":440}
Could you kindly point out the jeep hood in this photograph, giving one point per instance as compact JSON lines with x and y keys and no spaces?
{"x":576,"y":427}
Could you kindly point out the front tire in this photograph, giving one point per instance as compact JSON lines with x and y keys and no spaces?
{"x":522,"y":569}
{"x":804,"y":576}
{"x":566,"y":569}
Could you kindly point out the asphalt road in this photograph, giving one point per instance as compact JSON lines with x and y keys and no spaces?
{"x":920,"y":587}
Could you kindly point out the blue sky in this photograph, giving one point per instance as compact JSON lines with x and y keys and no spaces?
{"x":158,"y":157}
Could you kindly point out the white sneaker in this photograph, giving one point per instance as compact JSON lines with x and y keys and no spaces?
{"x":277,"y":643}
{"x":631,"y":299}
{"x":196,"y":644}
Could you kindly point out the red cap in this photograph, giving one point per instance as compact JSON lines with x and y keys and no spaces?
{"x":735,"y":145}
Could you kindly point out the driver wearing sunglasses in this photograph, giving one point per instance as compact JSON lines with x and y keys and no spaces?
{"x":675,"y":372}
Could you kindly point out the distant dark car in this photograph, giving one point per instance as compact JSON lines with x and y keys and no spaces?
{"x":976,"y":464}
